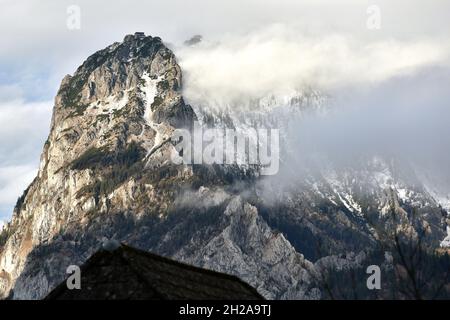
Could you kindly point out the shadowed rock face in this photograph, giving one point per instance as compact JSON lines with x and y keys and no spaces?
{"x":106,"y":173}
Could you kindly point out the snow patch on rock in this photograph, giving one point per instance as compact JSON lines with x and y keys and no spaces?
{"x":446,"y":242}
{"x":149,"y":91}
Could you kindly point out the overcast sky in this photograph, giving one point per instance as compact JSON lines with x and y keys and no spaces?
{"x":328,"y":38}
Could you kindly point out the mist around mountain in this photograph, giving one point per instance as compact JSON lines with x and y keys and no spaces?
{"x":357,"y":186}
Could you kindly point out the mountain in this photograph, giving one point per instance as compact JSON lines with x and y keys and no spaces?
{"x":106,"y":172}
{"x":124,"y":273}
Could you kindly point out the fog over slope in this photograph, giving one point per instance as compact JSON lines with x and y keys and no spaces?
{"x":387,"y":98}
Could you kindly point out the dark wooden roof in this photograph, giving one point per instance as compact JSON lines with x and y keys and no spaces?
{"x":128,"y":273}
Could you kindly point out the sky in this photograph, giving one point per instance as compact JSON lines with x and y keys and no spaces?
{"x":250,"y":48}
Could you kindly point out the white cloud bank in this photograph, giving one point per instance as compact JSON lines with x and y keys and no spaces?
{"x":280,"y":59}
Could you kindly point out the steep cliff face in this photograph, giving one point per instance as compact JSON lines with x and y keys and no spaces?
{"x":106,"y":173}
{"x":111,"y":121}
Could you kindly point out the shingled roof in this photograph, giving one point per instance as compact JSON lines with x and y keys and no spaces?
{"x":128,"y":273}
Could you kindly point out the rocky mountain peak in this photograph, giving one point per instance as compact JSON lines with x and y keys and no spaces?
{"x":127,"y":92}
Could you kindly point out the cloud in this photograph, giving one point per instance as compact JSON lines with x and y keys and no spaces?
{"x":388,"y":97}
{"x":14,"y":180}
{"x":24,"y":126}
{"x":403,"y":120}
{"x":280,"y":59}
{"x":36,"y":36}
